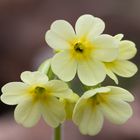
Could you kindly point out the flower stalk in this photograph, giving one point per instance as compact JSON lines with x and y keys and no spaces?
{"x":57,"y":133}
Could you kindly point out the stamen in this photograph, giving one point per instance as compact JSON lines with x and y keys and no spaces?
{"x":79,"y":47}
{"x":39,"y":90}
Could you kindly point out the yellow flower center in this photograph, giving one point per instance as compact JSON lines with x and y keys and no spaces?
{"x":81,"y":49}
{"x":38,"y":92}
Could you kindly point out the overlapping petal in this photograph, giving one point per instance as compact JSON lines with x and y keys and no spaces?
{"x":95,"y":91}
{"x":127,"y":50}
{"x":88,"y":119}
{"x":53,"y":112}
{"x":59,"y":89}
{"x":123,"y":68}
{"x":117,"y":111}
{"x":112,"y":75}
{"x":91,"y":72}
{"x":106,"y":48}
{"x":64,"y":66}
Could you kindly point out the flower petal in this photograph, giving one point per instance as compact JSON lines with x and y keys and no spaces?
{"x":56,"y":42}
{"x":89,"y":26}
{"x":63,"y":29}
{"x":95,"y":122}
{"x":59,"y":89}
{"x":14,"y":93}
{"x":91,"y":72}
{"x":95,"y":91}
{"x":78,"y":110}
{"x":106,"y":48}
{"x":119,"y":37}
{"x":124,"y":68}
{"x":127,"y":50}
{"x":64,"y":66}
{"x":34,"y":77}
{"x":27,"y":113}
{"x":120,"y":93}
{"x":53,"y":112}
{"x":60,"y":35}
{"x":111,"y":75}
{"x":88,"y":118}
{"x":117,"y":111}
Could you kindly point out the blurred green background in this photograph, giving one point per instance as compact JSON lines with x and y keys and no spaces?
{"x":23,"y":24}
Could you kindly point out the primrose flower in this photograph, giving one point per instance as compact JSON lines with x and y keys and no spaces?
{"x":82,"y":50}
{"x":110,"y":102}
{"x":36,"y":97}
{"x":121,"y":66}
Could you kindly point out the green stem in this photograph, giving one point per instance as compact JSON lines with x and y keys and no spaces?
{"x":57,"y":133}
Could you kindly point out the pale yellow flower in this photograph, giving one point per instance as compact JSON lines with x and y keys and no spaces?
{"x":82,"y":50}
{"x":36,"y":97}
{"x":110,"y":102}
{"x":121,"y":66}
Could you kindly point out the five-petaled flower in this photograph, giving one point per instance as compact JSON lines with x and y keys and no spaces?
{"x":82,"y":50}
{"x":36,"y":97}
{"x":94,"y":104}
{"x":121,"y":66}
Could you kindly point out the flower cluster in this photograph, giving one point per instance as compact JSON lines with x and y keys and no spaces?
{"x":93,"y":56}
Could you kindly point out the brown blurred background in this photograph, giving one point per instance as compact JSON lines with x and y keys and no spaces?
{"x":23,"y":24}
